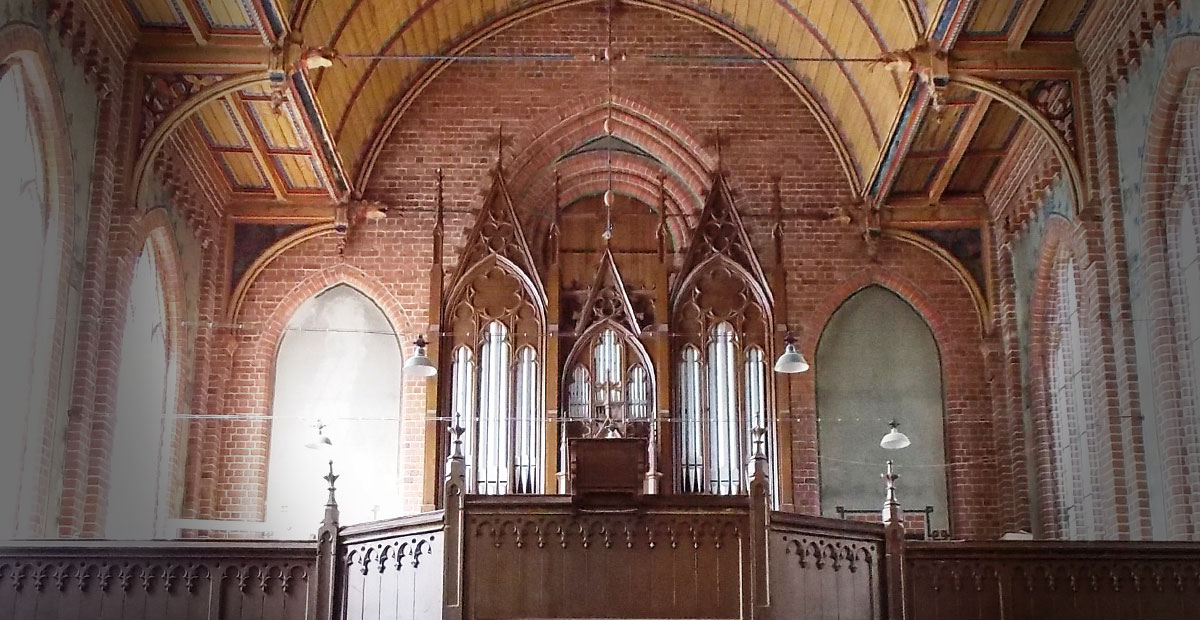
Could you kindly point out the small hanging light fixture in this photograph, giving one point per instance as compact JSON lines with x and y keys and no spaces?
{"x":419,"y":365}
{"x":791,"y":361}
{"x":894,"y":440}
{"x":321,"y":442}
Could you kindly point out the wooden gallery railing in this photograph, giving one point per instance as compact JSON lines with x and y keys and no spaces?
{"x":501,"y":558}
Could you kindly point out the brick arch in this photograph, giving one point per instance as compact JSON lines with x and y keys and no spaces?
{"x":967,"y":445}
{"x":270,"y":336}
{"x":151,"y":232}
{"x":23,"y":44}
{"x":681,"y":161}
{"x":1063,"y":240}
{"x":589,"y":175}
{"x":251,"y":440}
{"x":1177,"y":96}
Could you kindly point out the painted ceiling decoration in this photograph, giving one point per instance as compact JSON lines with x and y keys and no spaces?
{"x":914,"y":137}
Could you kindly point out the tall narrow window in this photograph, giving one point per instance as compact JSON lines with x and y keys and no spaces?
{"x":1071,"y":426}
{"x":579,"y":393}
{"x":30,"y":303}
{"x":145,"y":399}
{"x":338,"y":365}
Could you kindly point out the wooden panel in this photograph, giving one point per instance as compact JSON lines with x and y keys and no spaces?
{"x":394,"y":570}
{"x":157,"y":13}
{"x":226,"y":14}
{"x":569,"y":565}
{"x":1059,"y":17}
{"x":1065,"y":581}
{"x":299,"y":171}
{"x":217,"y":125}
{"x":817,"y":571}
{"x":996,"y":129}
{"x":991,"y":17}
{"x":280,"y":130}
{"x":243,"y":170}
{"x":973,"y":174}
{"x":158,"y":581}
{"x":915,"y":176}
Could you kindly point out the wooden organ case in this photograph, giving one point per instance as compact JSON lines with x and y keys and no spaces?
{"x":554,"y":343}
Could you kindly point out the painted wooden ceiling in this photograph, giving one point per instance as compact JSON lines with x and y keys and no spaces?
{"x":265,"y":149}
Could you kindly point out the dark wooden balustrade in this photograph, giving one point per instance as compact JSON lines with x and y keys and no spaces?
{"x":1060,"y":580}
{"x":502,"y":558}
{"x":159,"y":581}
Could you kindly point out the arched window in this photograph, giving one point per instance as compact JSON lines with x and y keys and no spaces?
{"x":338,"y":364}
{"x":1072,"y":428}
{"x":146,"y":400}
{"x":877,"y":360}
{"x":31,"y":254}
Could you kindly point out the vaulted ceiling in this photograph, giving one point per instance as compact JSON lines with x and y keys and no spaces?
{"x":316,"y":137}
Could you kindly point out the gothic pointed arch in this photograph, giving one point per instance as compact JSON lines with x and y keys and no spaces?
{"x":497,"y":233}
{"x":608,"y":299}
{"x":721,"y":233}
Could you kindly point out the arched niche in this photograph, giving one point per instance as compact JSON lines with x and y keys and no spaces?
{"x":877,"y":360}
{"x":147,"y":380}
{"x":338,"y":365}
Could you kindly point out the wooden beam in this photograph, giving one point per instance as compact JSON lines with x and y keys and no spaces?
{"x":196,"y":21}
{"x":294,"y":211}
{"x":223,"y":54}
{"x":994,"y":59}
{"x":258,"y":145}
{"x":966,"y":133}
{"x":1023,"y":22}
{"x":935,"y":216}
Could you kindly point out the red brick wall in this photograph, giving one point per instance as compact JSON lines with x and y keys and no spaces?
{"x":549,"y":107}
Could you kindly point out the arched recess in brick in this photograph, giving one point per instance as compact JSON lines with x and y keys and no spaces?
{"x":969,"y":445}
{"x":37,"y":459}
{"x":152,"y":269}
{"x":1171,"y":191}
{"x":1070,"y":428}
{"x":877,"y":360}
{"x":249,"y":391}
{"x":670,"y":150}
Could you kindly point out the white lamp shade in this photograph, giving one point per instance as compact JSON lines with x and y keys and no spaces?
{"x":894,"y":440}
{"x":419,"y":366}
{"x":791,"y":361}
{"x":320,"y":444}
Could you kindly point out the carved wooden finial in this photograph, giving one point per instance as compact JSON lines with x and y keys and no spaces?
{"x":718,"y":142}
{"x":661,"y":232}
{"x":438,"y":227}
{"x":501,"y":141}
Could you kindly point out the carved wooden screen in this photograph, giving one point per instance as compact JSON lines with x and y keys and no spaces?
{"x":496,"y":341}
{"x":721,"y":321}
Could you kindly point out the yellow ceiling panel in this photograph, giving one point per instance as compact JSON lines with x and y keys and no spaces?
{"x":991,"y":16}
{"x":1059,"y":17}
{"x":243,"y":170}
{"x":217,"y":125}
{"x":157,"y":13}
{"x":279,"y":129}
{"x":226,"y":14}
{"x":299,"y":171}
{"x":862,"y":103}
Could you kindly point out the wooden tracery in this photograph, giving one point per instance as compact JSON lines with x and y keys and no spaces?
{"x":721,"y":319}
{"x":494,"y":343}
